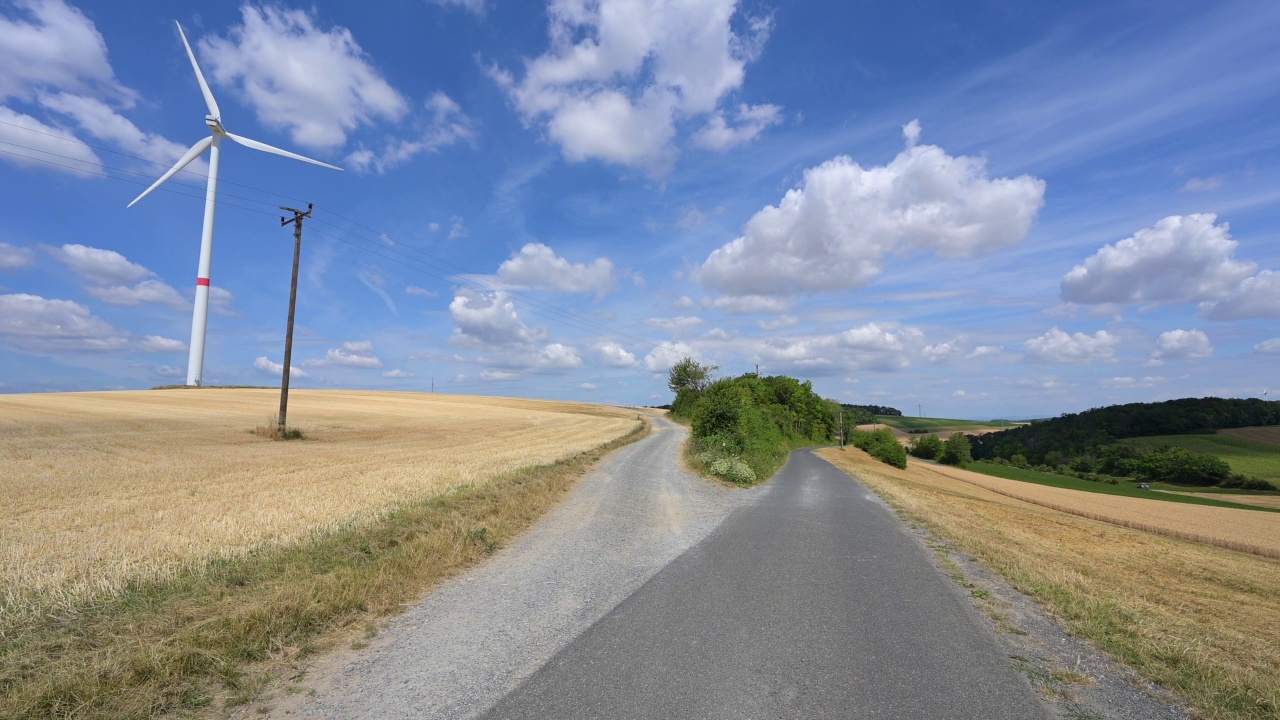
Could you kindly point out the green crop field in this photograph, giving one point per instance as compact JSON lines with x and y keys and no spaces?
{"x":1246,"y":457}
{"x":1124,"y":489}
{"x":934,"y":425}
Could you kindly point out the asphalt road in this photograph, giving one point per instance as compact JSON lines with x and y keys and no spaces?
{"x":810,"y":602}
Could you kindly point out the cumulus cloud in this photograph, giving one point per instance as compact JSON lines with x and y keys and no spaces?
{"x":1057,"y":347}
{"x":665,"y":355}
{"x":31,"y":322}
{"x":749,"y":304}
{"x":749,"y":122}
{"x":587,"y":386}
{"x":147,"y":292}
{"x":99,"y":266}
{"x":674,"y":324}
{"x":488,"y":320}
{"x":277,"y":369}
{"x":620,"y":73}
{"x":222,"y":302}
{"x":52,"y":44}
{"x":498,"y":375}
{"x":15,"y":258}
{"x":98,"y":119}
{"x":157,"y":344}
{"x":942,"y":352}
{"x":614,"y":355}
{"x":317,"y":84}
{"x":397,"y":374}
{"x":984,"y":351}
{"x":358,"y":354}
{"x":537,"y":267}
{"x":445,"y":125}
{"x":19,"y":129}
{"x":835,"y":230}
{"x":1181,"y":345}
{"x":1268,"y":347}
{"x":1256,"y":297}
{"x":784,"y":321}
{"x":1179,"y":259}
{"x":868,"y":347}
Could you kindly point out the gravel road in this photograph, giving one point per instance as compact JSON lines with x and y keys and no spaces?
{"x":477,"y":637}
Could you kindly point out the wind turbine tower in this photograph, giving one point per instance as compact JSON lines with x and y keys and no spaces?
{"x":213,"y":143}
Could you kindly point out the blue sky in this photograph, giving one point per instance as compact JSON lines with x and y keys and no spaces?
{"x":986,"y":209}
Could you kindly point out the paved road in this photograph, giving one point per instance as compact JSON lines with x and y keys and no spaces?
{"x":811,"y":602}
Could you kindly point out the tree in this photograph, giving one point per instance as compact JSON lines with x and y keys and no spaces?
{"x":955,"y":451}
{"x":928,"y":447}
{"x":689,"y":374}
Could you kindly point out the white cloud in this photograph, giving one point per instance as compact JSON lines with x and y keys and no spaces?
{"x":587,"y":386}
{"x":749,"y":304}
{"x":15,"y":258}
{"x":1179,"y":259}
{"x":691,"y":216}
{"x":489,"y":320}
{"x":835,"y":230}
{"x":458,"y":229}
{"x":397,"y":374}
{"x":103,"y":122}
{"x":784,"y":321}
{"x":985,"y":351}
{"x":277,"y":369}
{"x":96,"y":265}
{"x":1256,"y":297}
{"x":1057,"y":347}
{"x":942,"y":352}
{"x":446,"y":125}
{"x":674,"y":324}
{"x":620,"y":73}
{"x":421,"y":292}
{"x":868,"y":347}
{"x":358,"y":354}
{"x":498,"y":375}
{"x":375,"y":282}
{"x":157,"y":344}
{"x":153,"y":292}
{"x":1181,"y":345}
{"x":169,"y":371}
{"x":222,"y":302}
{"x":911,"y":133}
{"x":614,"y":355}
{"x":537,"y":267}
{"x":476,"y":7}
{"x":319,"y":85}
{"x":666,"y":354}
{"x":1268,"y":347}
{"x":32,"y":322}
{"x":751,"y":120}
{"x":1212,"y":182}
{"x":53,"y":45}
{"x":77,"y":158}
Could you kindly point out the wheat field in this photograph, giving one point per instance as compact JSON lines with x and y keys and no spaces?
{"x":101,"y":489}
{"x":1197,"y":618}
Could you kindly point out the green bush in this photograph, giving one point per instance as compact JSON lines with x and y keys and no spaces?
{"x":955,"y":451}
{"x":881,"y":445}
{"x":927,"y":447}
{"x":1174,"y":464}
{"x":733,"y":469}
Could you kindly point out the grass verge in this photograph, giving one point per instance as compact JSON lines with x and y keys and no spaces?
{"x":199,"y":643}
{"x":1196,"y":619}
{"x":1123,"y":489}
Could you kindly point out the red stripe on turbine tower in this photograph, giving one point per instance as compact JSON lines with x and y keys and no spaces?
{"x":202,"y":281}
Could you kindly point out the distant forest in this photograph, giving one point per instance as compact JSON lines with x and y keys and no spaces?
{"x":872,"y":409}
{"x":1057,"y":441}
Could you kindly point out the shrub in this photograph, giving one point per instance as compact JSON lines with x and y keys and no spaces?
{"x":733,"y":469}
{"x":881,"y":445}
{"x":927,"y":447}
{"x":956,"y":450}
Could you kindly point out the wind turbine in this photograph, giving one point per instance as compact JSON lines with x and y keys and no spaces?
{"x":200,"y":317}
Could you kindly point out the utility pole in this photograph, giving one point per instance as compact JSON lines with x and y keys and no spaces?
{"x":920,"y":409}
{"x":841,"y":428}
{"x":298,"y":216}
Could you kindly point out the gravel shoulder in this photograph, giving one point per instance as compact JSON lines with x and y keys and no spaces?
{"x":477,"y":637}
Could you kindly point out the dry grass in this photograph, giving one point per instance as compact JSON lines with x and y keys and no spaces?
{"x":1198,"y":619}
{"x":1269,"y":434}
{"x":1245,"y":530}
{"x":102,"y":489}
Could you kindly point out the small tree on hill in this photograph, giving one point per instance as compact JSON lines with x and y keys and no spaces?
{"x":689,"y":374}
{"x":955,"y":451}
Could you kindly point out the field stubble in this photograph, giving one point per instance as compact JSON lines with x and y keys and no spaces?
{"x":1198,"y":619}
{"x":102,"y":489}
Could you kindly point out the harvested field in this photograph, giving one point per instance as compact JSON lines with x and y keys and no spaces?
{"x":1266,"y":501}
{"x":1195,"y":618}
{"x":1269,"y":435}
{"x":104,"y":488}
{"x":1242,"y":529}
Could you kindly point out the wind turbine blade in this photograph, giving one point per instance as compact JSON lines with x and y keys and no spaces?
{"x":191,"y":155}
{"x":277,"y":151}
{"x":204,"y":86}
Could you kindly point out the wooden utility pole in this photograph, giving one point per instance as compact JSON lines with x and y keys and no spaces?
{"x":298,"y":216}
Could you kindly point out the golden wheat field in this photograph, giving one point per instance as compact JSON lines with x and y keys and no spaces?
{"x":1196,"y":618}
{"x":103,"y":488}
{"x":1228,"y":526}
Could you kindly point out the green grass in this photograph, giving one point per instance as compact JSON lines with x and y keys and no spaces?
{"x":1246,"y":457}
{"x":902,"y":422}
{"x":1124,"y":489}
